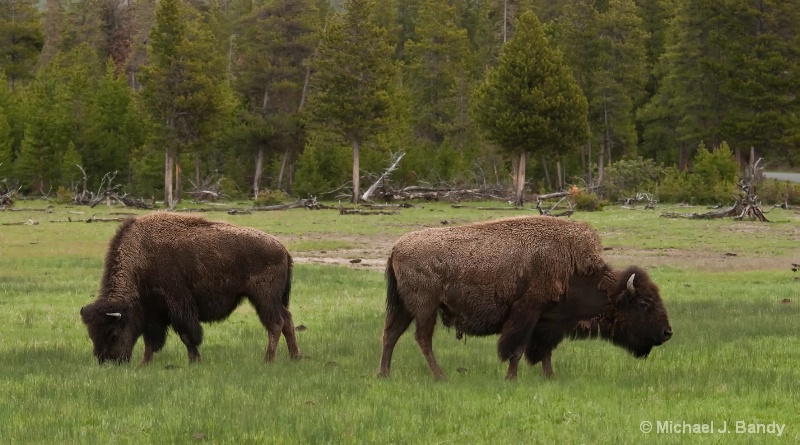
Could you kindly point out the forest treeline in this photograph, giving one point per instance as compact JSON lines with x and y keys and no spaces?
{"x":311,"y":97}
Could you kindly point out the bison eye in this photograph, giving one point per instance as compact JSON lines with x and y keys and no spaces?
{"x":644,"y":305}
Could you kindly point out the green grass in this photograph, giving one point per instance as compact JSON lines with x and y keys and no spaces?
{"x":734,"y":355}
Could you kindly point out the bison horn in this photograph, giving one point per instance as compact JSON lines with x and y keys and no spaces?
{"x":630,"y":284}
{"x":114,"y":314}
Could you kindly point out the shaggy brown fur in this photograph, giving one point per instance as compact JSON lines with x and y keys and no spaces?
{"x":512,"y":276}
{"x":169,"y":269}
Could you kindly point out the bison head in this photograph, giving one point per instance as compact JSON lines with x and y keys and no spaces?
{"x":113,"y":329}
{"x":638,"y":319}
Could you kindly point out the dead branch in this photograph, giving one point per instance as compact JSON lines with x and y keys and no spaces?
{"x":48,"y":209}
{"x":549,"y":212}
{"x":358,"y":211}
{"x":209,"y":190}
{"x":461,"y":206}
{"x":394,"y":161}
{"x":29,"y":222}
{"x":746,"y":205}
{"x":630,"y":203}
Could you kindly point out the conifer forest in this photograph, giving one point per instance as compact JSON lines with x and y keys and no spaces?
{"x":303,"y":98}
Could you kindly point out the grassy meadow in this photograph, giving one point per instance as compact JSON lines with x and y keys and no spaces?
{"x":735,"y":355}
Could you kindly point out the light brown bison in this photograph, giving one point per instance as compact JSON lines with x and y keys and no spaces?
{"x":512,"y":277}
{"x":168,"y":269}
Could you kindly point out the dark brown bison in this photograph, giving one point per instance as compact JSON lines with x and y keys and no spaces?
{"x":168,"y":269}
{"x":529,"y":279}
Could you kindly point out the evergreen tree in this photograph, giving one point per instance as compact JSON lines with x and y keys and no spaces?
{"x":69,"y":170}
{"x":354,"y":71}
{"x":530,"y":102}
{"x":49,"y":128}
{"x":6,"y":155}
{"x":273,"y":67}
{"x":181,"y":86}
{"x":113,"y":128}
{"x":436,"y":73}
{"x":21,"y":38}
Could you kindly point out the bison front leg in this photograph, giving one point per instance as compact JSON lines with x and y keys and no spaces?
{"x":516,"y":334}
{"x":191,"y":334}
{"x":155,"y":335}
{"x":547,"y":365}
{"x":424,"y":337}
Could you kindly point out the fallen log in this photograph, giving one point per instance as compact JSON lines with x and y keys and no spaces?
{"x":48,"y":209}
{"x":30,"y":222}
{"x":461,"y":206}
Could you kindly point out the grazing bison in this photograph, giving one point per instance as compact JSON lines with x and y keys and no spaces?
{"x":529,"y":279}
{"x":168,"y":269}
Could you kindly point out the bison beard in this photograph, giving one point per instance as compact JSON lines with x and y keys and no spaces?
{"x":174,"y":270}
{"x":529,"y":279}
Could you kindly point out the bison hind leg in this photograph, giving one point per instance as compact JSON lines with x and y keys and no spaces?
{"x":289,"y":334}
{"x":397,"y":321}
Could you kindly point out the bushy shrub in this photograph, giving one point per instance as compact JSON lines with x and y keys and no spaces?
{"x":588,"y":202}
{"x":627,"y":177}
{"x":712,"y":179}
{"x":63,"y":195}
{"x":271,"y":197}
{"x":229,"y":188}
{"x":772,"y":191}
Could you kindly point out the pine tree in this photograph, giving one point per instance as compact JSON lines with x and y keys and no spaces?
{"x":530,"y":102}
{"x":21,"y":39}
{"x":69,"y":162}
{"x":112,"y":129}
{"x":273,"y":67}
{"x":354,"y":71}
{"x":181,"y":86}
{"x":436,"y":73}
{"x":49,"y":128}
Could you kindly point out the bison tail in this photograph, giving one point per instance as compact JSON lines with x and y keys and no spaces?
{"x":287,"y":289}
{"x":392,"y":294}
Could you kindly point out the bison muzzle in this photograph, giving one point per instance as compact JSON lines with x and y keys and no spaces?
{"x":529,"y":279}
{"x":166,"y":269}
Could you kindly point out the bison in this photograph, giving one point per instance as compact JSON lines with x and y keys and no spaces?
{"x":168,"y":269}
{"x":529,"y":279}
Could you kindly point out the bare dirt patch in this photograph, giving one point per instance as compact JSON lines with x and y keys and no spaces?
{"x":376,"y":248}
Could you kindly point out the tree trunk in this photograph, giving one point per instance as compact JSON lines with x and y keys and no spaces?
{"x":284,"y":163}
{"x":514,"y":173}
{"x":356,"y":175}
{"x":259,"y":170}
{"x":197,"y":168}
{"x":683,"y":163}
{"x":584,"y":170}
{"x":178,"y":179}
{"x":560,"y":177}
{"x":168,"y":161}
{"x":600,"y":168}
{"x":608,"y":131}
{"x":505,"y":21}
{"x":546,"y":174}
{"x":289,"y":179}
{"x":519,"y":198}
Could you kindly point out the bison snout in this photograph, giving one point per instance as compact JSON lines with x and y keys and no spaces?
{"x":667,"y":334}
